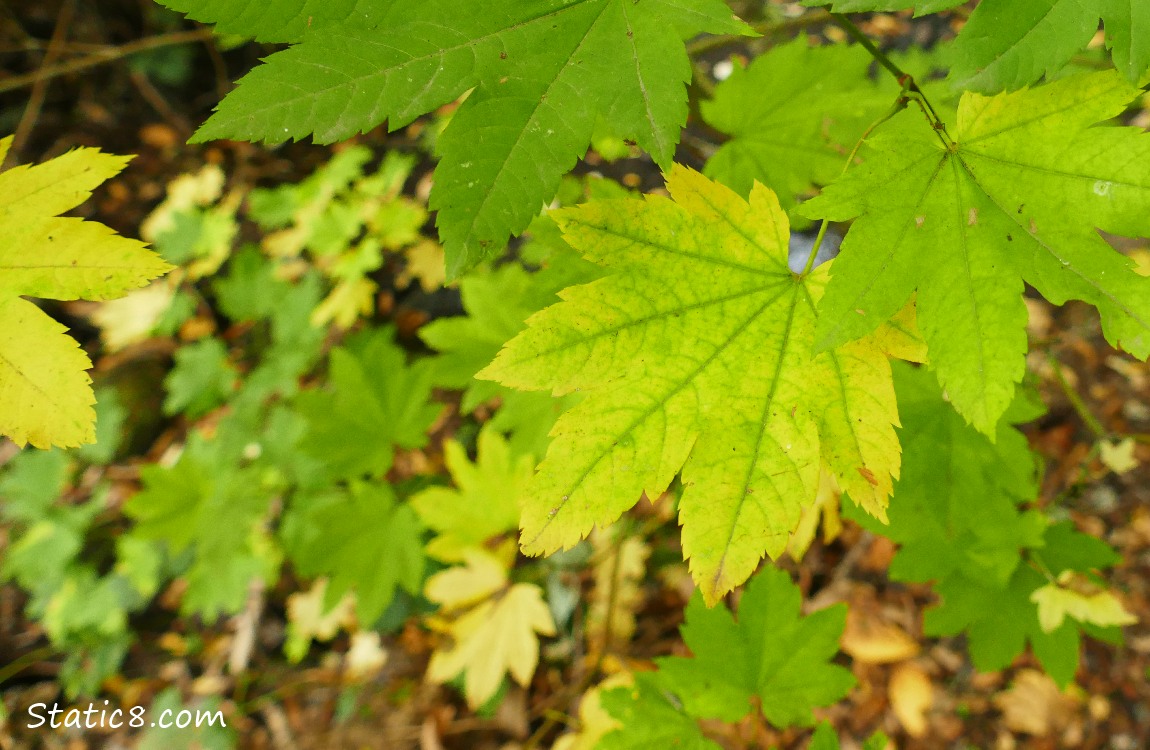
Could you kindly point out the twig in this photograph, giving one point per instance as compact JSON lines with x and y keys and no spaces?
{"x":40,"y":85}
{"x":898,"y":106}
{"x":910,"y":86}
{"x":1076,"y":401}
{"x":99,"y":58}
{"x":765,"y":28}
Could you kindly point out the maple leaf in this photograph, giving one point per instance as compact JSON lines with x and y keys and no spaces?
{"x":770,"y":652}
{"x":649,"y":718}
{"x":493,"y":626}
{"x":539,"y":71}
{"x":215,"y":512}
{"x":45,"y":393}
{"x":485,"y":502}
{"x":363,"y":541}
{"x":375,"y":402}
{"x":716,"y":379}
{"x":956,"y":515}
{"x":280,"y":20}
{"x":830,"y":98}
{"x":1007,"y":44}
{"x":1016,"y":196}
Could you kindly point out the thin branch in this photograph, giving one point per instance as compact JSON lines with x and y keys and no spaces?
{"x":99,"y":58}
{"x":898,"y":106}
{"x":1075,"y":400}
{"x":764,"y":28}
{"x":40,"y":86}
{"x":904,"y":79}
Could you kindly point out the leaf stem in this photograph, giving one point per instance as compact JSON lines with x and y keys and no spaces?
{"x":898,"y":106}
{"x":104,"y":56}
{"x":765,"y":28}
{"x":1075,"y":400}
{"x":906,"y":80}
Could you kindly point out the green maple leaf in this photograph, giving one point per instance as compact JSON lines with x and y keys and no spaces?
{"x":364,"y":540}
{"x":216,"y":513}
{"x":497,"y":304}
{"x":830,"y":100}
{"x":1016,"y":197}
{"x":956,"y":515}
{"x":374,"y":402}
{"x":45,"y":392}
{"x":770,"y":653}
{"x":717,"y":379}
{"x":1007,"y":44}
{"x":955,"y":508}
{"x":540,"y":71}
{"x":484,"y":503}
{"x":201,"y":380}
{"x":649,"y":719}
{"x":921,"y":7}
{"x":281,"y":20}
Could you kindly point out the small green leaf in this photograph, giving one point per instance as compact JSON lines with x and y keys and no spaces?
{"x":771,"y":652}
{"x":364,"y":541}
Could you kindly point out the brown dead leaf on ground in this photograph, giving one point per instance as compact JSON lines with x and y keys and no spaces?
{"x":911,"y":694}
{"x":1034,"y":705}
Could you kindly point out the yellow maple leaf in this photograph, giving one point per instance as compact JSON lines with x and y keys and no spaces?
{"x":1056,"y":601}
{"x":45,"y":392}
{"x":492,"y":626}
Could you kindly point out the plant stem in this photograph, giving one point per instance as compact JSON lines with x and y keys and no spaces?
{"x":99,"y":58}
{"x":1076,"y":401}
{"x":904,"y":79}
{"x":898,"y":106}
{"x":765,"y":28}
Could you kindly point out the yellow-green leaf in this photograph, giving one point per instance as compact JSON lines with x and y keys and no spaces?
{"x":45,"y":393}
{"x":695,"y":355}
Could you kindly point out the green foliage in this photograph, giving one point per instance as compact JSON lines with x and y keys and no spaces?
{"x":541,"y":72}
{"x":956,"y":514}
{"x":363,"y":540}
{"x":722,"y":371}
{"x":1017,"y":195}
{"x":213,"y":515}
{"x":375,"y":404}
{"x":830,"y":98}
{"x":1008,"y":44}
{"x":770,"y":654}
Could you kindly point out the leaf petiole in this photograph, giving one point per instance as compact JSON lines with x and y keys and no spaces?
{"x":898,"y":106}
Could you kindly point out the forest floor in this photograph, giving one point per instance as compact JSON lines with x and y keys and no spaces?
{"x":923,"y":692}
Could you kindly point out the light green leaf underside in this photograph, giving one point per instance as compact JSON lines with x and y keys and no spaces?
{"x":541,"y":70}
{"x":695,"y":355}
{"x":830,"y":100}
{"x":1018,"y":199}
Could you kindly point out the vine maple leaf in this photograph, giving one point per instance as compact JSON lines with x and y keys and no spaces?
{"x":45,"y":393}
{"x":695,"y":354}
{"x":1007,"y":44}
{"x":539,"y":71}
{"x":1016,"y":196}
{"x":493,"y":625}
{"x":734,"y":660}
